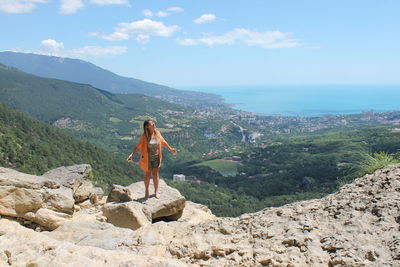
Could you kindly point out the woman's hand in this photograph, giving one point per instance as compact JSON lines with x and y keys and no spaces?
{"x":129,"y":158}
{"x":173,"y":151}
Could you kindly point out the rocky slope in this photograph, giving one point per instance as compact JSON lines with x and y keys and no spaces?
{"x":357,"y":226}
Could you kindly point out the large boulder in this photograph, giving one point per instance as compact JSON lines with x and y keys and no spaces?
{"x":195,"y":213}
{"x":48,"y":218}
{"x":129,"y":208}
{"x":170,"y":204}
{"x":119,"y":193}
{"x":47,"y":200}
{"x":34,"y":198}
{"x":77,"y":178}
{"x":132,"y":214}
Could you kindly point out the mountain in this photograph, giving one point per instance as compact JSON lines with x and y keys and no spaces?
{"x":111,"y":120}
{"x":32,"y":146}
{"x":87,"y":112}
{"x":80,"y":71}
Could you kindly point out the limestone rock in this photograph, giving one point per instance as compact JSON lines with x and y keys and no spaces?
{"x":13,"y":178}
{"x":15,"y":201}
{"x":76,"y":178}
{"x":20,"y":246}
{"x":34,"y":198}
{"x":119,"y":193}
{"x":135,"y":212}
{"x":67,"y":175}
{"x":356,"y":226}
{"x":132,"y":214}
{"x":170,"y":204}
{"x":195,"y":213}
{"x":47,"y":218}
{"x":59,"y":200}
{"x":86,"y":230}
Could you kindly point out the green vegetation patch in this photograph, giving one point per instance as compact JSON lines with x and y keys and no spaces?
{"x":225,"y":167}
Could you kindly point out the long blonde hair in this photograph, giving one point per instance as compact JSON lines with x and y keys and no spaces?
{"x":146,"y":131}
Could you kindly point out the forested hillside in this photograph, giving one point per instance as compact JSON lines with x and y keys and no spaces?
{"x":291,"y":169}
{"x":34,"y":147}
{"x":113,"y":121}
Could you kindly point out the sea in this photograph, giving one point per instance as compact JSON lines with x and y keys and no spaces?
{"x":308,"y":101}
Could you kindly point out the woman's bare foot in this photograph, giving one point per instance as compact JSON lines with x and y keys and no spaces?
{"x":146,"y":196}
{"x":157,"y":195}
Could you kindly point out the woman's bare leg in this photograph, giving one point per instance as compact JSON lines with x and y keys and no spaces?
{"x":146,"y":184}
{"x":154,"y":172}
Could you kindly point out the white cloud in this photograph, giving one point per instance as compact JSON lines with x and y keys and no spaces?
{"x":70,"y":6}
{"x":187,"y":42}
{"x":115,"y":36}
{"x":140,"y":30}
{"x":205,"y":18}
{"x":268,"y":39}
{"x":148,"y":13}
{"x":162,"y":13}
{"x":147,"y":27}
{"x":51,"y":46}
{"x":18,"y":6}
{"x":142,"y":38}
{"x":110,"y":2}
{"x":176,"y":9}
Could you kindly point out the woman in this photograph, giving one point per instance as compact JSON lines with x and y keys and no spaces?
{"x":150,"y":145}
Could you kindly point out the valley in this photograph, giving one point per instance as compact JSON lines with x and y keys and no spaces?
{"x":241,"y":161}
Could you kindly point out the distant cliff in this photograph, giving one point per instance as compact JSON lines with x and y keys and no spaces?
{"x":356,"y":226}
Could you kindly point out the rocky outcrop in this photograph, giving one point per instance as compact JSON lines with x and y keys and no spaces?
{"x":135,"y":211}
{"x":48,"y":200}
{"x":77,"y":179}
{"x":132,"y":214}
{"x":357,"y":226}
{"x":195,"y":213}
{"x":34,"y":198}
{"x":20,"y":246}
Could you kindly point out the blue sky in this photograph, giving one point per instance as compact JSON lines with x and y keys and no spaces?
{"x":215,"y":42}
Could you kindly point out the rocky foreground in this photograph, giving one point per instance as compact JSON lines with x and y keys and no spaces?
{"x":61,"y":219}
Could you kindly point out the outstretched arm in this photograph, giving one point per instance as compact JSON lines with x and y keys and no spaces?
{"x":138,"y":147}
{"x":172,"y":150}
{"x":129,"y":158}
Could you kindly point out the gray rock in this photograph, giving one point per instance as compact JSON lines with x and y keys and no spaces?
{"x":35,"y":198}
{"x":132,"y":214}
{"x":135,"y":212}
{"x":67,"y":175}
{"x":76,"y":177}
{"x":119,"y":193}
{"x":59,"y":200}
{"x":10,"y":177}
{"x":47,"y":218}
{"x":86,"y":230}
{"x":170,"y":204}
